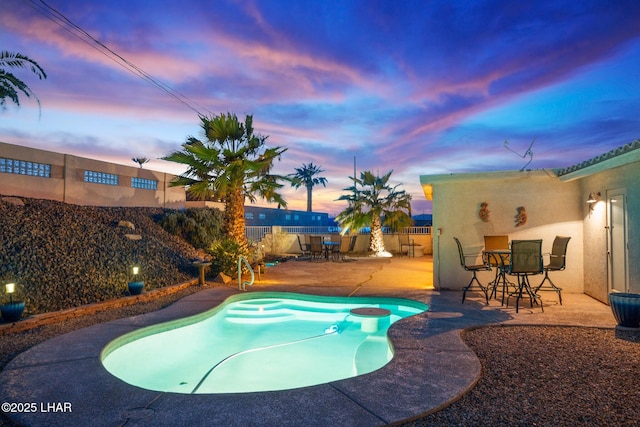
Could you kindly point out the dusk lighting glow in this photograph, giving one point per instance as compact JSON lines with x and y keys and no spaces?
{"x":418,"y":87}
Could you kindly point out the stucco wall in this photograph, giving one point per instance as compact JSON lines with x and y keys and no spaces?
{"x":553,"y":208}
{"x":67,"y":184}
{"x":626,"y":177}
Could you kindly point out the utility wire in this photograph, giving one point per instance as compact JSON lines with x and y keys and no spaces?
{"x":57,"y":17}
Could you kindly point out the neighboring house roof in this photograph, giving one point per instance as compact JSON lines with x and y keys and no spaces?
{"x":620,"y":156}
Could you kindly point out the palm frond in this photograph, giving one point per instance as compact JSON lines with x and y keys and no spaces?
{"x":232,"y":164}
{"x":10,"y":85}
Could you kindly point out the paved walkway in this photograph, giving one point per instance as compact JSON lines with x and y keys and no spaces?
{"x":431,"y":367}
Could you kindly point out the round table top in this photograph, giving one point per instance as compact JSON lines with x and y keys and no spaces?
{"x":370,"y":312}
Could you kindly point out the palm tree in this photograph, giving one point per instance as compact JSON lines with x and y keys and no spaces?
{"x":140,"y":160}
{"x":375,"y":204}
{"x":231,"y":165}
{"x":306,"y":175}
{"x":10,"y":85}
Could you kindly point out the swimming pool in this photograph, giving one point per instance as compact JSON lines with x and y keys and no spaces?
{"x":259,"y":342}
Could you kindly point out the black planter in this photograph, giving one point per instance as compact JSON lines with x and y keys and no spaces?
{"x":626,"y":309}
{"x":12,"y":312}
{"x":135,"y":288}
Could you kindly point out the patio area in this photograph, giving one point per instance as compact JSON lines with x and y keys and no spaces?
{"x":431,"y":367}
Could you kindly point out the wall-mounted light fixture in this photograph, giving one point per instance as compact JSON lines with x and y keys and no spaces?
{"x":593,"y":198}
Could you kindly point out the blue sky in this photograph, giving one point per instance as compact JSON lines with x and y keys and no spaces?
{"x":420,"y":87}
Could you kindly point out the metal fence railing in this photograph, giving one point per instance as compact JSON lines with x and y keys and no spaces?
{"x":257,"y":232}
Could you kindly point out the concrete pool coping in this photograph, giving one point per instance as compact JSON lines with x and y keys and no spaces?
{"x":431,"y":368}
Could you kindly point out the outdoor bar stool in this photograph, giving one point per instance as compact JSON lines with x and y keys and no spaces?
{"x":557,"y":262}
{"x":496,"y":250}
{"x":474,"y":268}
{"x":525,"y":260}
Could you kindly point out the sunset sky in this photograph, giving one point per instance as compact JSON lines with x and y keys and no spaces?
{"x":420,"y":87}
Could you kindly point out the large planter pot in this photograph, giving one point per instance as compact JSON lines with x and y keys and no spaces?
{"x":626,"y":309}
{"x":12,"y":312}
{"x":135,"y":288}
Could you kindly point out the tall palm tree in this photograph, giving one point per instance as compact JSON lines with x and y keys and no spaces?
{"x":306,"y":175}
{"x":10,"y":85}
{"x":375,"y":204}
{"x":231,"y":165}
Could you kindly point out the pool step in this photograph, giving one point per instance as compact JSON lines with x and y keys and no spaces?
{"x":276,"y":313}
{"x":252,"y":318}
{"x":373,"y":353}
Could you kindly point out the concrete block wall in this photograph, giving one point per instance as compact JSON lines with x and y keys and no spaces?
{"x":67,"y":184}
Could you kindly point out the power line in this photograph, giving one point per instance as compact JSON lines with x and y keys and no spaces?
{"x":57,"y":17}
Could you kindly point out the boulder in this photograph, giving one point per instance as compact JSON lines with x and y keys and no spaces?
{"x":222,"y":278}
{"x":126,"y":224}
{"x":13,"y":200}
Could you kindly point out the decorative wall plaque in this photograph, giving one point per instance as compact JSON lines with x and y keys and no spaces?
{"x":484,"y":212}
{"x":521,"y":217}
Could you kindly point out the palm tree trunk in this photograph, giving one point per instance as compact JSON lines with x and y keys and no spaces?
{"x":234,"y":218}
{"x":309,"y":192}
{"x":376,"y":242}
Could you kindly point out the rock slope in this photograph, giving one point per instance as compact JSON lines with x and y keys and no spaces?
{"x":67,"y":255}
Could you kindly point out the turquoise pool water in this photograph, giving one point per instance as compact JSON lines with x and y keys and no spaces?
{"x":260,"y":342}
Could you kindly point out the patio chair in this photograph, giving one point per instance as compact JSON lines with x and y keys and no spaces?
{"x":346,"y":246}
{"x":474,"y":268}
{"x":305,"y":248}
{"x":405,"y":240}
{"x":334,"y":249}
{"x":557,"y":262}
{"x":316,"y":248}
{"x":525,"y":260}
{"x":339,"y":251}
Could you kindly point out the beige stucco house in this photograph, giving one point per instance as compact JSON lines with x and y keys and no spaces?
{"x":603,"y":254}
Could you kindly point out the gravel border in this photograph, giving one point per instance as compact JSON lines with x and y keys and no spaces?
{"x":548,"y":376}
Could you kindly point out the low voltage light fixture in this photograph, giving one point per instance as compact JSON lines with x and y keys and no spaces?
{"x":10,"y":288}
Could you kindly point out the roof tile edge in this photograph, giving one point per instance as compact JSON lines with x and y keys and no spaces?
{"x":601,"y":158}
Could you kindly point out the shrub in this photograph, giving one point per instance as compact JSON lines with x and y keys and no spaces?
{"x":201,"y":227}
{"x":225,"y":255}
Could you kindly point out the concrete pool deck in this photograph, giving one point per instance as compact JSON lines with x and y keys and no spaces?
{"x":431,"y":368}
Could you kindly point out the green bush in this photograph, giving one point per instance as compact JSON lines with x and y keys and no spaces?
{"x":225,"y":255}
{"x":201,"y":227}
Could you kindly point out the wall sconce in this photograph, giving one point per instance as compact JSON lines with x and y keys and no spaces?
{"x":593,"y":199}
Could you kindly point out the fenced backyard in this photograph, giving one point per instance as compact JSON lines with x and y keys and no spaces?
{"x":284,"y":239}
